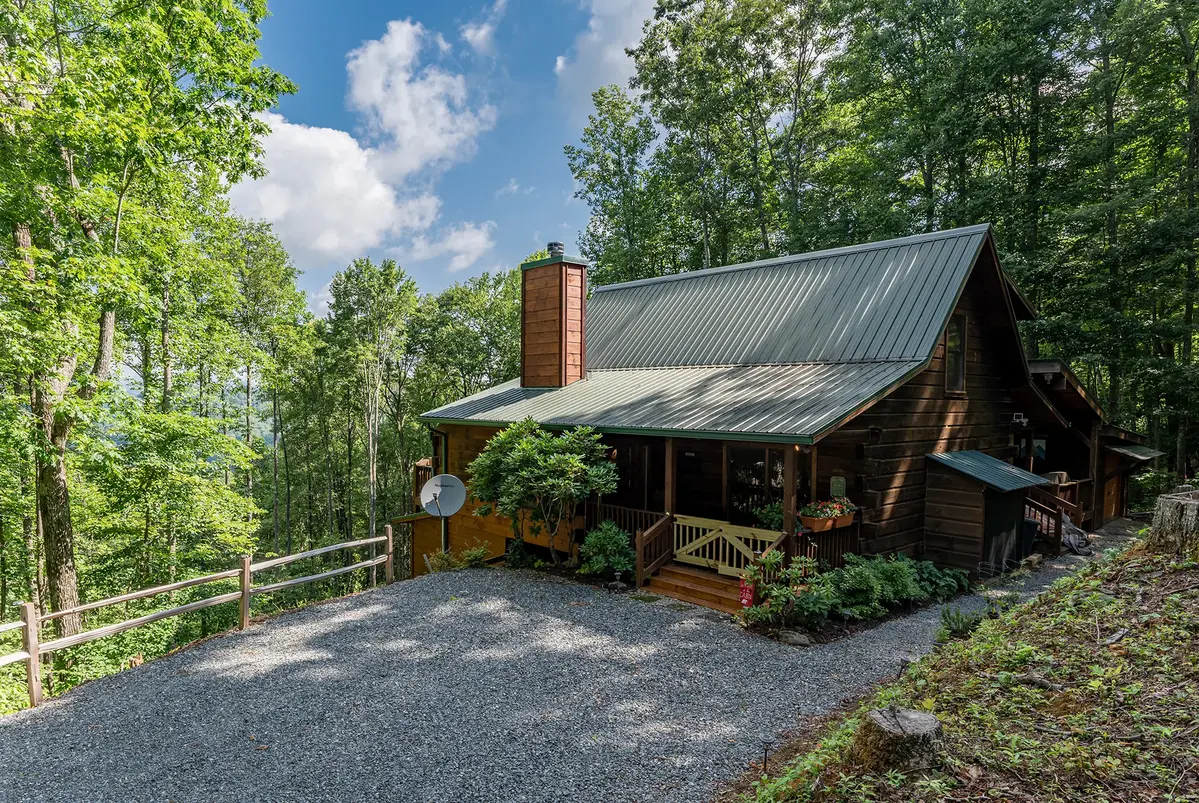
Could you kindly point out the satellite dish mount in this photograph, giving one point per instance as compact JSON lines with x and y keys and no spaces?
{"x":443,"y":496}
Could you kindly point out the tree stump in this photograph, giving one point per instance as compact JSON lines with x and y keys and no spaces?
{"x":1175,"y":527}
{"x":897,"y":739}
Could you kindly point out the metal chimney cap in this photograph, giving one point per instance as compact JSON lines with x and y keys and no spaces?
{"x":556,"y":249}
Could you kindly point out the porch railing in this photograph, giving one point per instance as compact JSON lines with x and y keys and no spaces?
{"x":828,"y":548}
{"x":1049,"y":521}
{"x":654,"y":547}
{"x":1047,"y":499}
{"x":629,"y":519}
{"x":1074,"y":497}
{"x":718,"y":545}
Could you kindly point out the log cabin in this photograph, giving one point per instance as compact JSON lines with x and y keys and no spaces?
{"x":847,"y":372}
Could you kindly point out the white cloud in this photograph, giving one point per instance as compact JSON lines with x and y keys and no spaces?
{"x":324,"y":195}
{"x":466,"y":243}
{"x":480,"y":34}
{"x":513,"y":188}
{"x":331,"y":196}
{"x":421,"y":114}
{"x":597,"y":57}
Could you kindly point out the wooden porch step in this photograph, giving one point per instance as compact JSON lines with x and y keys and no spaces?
{"x":706,"y":589}
{"x":702,"y":577}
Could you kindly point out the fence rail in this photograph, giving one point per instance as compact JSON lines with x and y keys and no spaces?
{"x":655,"y":548}
{"x":31,"y":622}
{"x":629,"y":519}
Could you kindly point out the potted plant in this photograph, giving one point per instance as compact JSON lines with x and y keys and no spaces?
{"x":843,"y":511}
{"x":817,"y":516}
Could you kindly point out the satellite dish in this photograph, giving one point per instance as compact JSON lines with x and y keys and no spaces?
{"x":443,"y":496}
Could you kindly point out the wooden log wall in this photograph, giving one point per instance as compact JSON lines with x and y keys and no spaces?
{"x":881,"y":452}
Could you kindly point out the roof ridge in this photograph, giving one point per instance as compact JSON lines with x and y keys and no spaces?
{"x":894,"y":361}
{"x":879,"y":245}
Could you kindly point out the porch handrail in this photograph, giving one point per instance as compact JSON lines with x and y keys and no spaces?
{"x":1052,"y":500}
{"x":654,"y":547}
{"x":629,"y":519}
{"x":1049,"y":518}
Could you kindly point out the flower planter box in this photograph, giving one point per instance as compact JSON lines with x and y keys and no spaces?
{"x":843,"y":521}
{"x":816,"y":525}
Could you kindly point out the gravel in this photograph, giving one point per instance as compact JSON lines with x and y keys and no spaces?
{"x":480,"y":685}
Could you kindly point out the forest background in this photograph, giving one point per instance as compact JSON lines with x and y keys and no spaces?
{"x":168,"y":401}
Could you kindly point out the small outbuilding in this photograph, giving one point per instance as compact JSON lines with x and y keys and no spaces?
{"x":974,"y":511}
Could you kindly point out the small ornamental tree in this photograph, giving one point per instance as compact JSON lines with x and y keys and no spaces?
{"x":529,"y":474}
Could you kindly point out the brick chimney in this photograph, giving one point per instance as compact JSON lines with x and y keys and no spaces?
{"x":553,"y":298}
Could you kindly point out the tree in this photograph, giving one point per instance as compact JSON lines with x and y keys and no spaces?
{"x":527,"y":473}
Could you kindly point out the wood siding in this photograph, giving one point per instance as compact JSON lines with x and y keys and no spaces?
{"x":954,"y":515}
{"x":884,"y":447}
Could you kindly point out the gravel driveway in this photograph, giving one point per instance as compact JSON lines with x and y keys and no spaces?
{"x":481,"y":685}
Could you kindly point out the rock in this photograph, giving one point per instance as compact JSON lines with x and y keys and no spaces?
{"x":897,"y":739}
{"x":795,"y":638}
{"x":1033,"y":560}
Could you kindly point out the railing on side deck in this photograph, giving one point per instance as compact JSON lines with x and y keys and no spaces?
{"x":829,"y":547}
{"x":30,"y":624}
{"x":1049,"y":522}
{"x":1049,"y":499}
{"x":629,"y":519}
{"x":654,"y":547}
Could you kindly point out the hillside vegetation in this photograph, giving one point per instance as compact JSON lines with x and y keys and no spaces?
{"x":1085,"y":693}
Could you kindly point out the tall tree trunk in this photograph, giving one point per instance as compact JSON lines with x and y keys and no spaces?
{"x":286,"y":484}
{"x":1115,"y":296}
{"x":1191,"y":61}
{"x":249,"y":428}
{"x":225,"y":428}
{"x":165,"y":344}
{"x":54,"y":504}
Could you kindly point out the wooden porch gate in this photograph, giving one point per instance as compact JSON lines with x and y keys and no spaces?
{"x":719,"y":545}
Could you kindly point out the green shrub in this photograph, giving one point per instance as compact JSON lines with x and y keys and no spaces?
{"x":940,"y":584}
{"x":770,"y":516}
{"x":517,"y":556}
{"x":476,"y":557}
{"x":444,"y":562}
{"x":865,"y":588}
{"x":957,"y":623}
{"x":606,"y":550}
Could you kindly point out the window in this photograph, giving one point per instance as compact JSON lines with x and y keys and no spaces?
{"x":955,"y":355}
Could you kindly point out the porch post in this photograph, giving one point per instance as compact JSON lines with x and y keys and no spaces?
{"x":815,"y":483}
{"x":670,"y":478}
{"x":789,"y":456}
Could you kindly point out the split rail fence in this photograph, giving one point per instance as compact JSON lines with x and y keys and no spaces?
{"x":30,"y":624}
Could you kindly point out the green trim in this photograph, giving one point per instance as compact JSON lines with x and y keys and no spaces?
{"x":698,"y":434}
{"x":537,"y":263}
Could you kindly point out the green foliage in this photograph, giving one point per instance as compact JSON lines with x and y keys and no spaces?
{"x":517,"y":555}
{"x":444,"y":562}
{"x":527,"y":473}
{"x":865,"y":588}
{"x":770,"y":516}
{"x":1021,"y":698}
{"x":959,"y":623}
{"x":606,"y":550}
{"x":475,"y":557}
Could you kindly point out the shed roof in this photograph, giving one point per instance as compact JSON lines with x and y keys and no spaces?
{"x":1134,"y":450}
{"x":781,"y":349}
{"x":990,"y":470}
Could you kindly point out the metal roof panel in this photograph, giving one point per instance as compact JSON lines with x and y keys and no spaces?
{"x":795,"y":402}
{"x":990,"y":470}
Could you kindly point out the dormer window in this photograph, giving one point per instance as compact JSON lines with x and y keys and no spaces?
{"x":955,"y":355}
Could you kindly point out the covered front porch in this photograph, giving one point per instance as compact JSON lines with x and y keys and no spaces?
{"x":713,"y":506}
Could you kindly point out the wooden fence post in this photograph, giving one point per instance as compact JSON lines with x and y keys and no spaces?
{"x":389,"y":568}
{"x":33,"y":666}
{"x":244,"y":620}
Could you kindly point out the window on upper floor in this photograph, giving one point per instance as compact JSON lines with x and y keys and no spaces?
{"x":955,"y":355}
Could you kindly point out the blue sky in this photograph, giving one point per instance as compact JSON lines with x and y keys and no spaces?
{"x":431,"y":132}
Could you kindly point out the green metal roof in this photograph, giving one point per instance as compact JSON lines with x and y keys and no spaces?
{"x":793,"y":403}
{"x":782,"y":349}
{"x":1134,"y":450}
{"x":990,"y":470}
{"x":879,"y":301}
